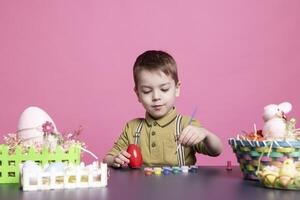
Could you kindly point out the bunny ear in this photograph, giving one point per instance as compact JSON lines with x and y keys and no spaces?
{"x":270,"y":111}
{"x":286,"y":107}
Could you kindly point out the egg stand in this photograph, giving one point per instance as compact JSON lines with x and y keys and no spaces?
{"x":32,"y":181}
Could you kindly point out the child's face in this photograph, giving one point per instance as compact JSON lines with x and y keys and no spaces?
{"x":157,"y":92}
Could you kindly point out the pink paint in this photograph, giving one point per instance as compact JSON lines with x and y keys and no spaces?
{"x":228,"y":165}
{"x":74,"y":59}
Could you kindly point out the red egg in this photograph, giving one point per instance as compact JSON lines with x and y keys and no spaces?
{"x":135,"y":159}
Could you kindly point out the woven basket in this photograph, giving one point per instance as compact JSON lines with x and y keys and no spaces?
{"x":254,"y":155}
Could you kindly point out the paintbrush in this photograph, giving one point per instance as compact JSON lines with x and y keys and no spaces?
{"x":190,"y":122}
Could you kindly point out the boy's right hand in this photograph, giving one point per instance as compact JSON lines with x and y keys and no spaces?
{"x":122,"y":159}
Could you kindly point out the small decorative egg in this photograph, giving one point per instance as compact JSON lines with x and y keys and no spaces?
{"x":269,"y":175}
{"x":297,"y":180}
{"x":55,"y":167}
{"x":287,"y":172}
{"x":135,"y":160}
{"x":31,"y":167}
{"x":71,"y":170}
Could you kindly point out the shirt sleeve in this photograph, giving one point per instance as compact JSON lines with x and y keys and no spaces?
{"x":122,"y":142}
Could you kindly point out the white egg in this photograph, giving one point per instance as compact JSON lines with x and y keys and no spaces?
{"x":31,"y":167}
{"x":30,"y":125}
{"x":55,"y":167}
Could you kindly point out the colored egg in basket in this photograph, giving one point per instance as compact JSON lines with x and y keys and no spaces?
{"x":285,"y":177}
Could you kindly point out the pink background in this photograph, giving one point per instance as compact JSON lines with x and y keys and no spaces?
{"x":74,"y":59}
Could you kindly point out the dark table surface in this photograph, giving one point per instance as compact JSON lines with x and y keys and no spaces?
{"x":209,"y":183}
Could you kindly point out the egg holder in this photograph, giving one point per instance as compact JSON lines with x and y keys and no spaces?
{"x":10,"y":162}
{"x":72,"y":177}
{"x":253,"y":156}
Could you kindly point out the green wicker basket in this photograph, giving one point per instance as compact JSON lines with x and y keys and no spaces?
{"x":254,"y":155}
{"x":9,"y":163}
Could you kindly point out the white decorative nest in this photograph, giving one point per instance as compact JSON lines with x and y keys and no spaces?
{"x":72,"y":177}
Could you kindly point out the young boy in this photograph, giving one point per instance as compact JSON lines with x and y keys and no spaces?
{"x":163,"y":130}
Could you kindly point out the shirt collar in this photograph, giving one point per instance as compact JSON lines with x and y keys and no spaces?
{"x":164,"y":121}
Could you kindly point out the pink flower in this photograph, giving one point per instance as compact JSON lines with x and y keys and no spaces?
{"x":48,"y":127}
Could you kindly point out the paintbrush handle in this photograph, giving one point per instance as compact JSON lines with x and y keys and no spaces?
{"x":193,"y":116}
{"x":189,"y":123}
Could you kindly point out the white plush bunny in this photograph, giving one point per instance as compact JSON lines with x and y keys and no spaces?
{"x":275,"y":126}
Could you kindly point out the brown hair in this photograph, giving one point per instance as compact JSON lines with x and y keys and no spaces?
{"x":155,"y":60}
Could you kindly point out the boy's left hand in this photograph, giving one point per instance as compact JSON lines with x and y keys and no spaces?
{"x":192,"y":135}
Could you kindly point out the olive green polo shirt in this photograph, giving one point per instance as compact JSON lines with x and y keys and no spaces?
{"x":157,"y":140}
